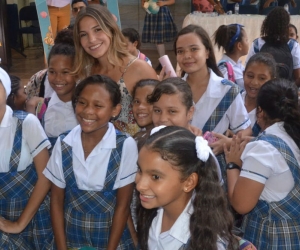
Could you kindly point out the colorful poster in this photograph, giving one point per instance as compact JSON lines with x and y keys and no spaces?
{"x":45,"y":26}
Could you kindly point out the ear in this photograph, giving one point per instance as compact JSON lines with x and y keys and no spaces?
{"x":190,"y":183}
{"x":239,"y":46}
{"x":135,"y":44}
{"x":116,"y":110}
{"x":207,"y":53}
{"x":190,"y":113}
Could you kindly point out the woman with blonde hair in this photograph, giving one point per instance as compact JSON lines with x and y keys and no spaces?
{"x":101,"y":49}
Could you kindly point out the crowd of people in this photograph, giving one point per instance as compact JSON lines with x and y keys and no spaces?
{"x":100,"y":152}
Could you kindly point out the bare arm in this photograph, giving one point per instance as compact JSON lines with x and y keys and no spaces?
{"x":39,"y":192}
{"x":296,"y":76}
{"x":120,"y":217}
{"x":165,"y":3}
{"x":57,"y":216}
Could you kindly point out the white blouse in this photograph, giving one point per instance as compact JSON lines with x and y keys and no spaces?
{"x":90,"y":173}
{"x":264,"y":163}
{"x":34,"y":140}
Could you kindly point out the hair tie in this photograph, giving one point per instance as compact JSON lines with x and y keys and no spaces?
{"x":237,"y":34}
{"x":202,"y":148}
{"x":156,"y":129}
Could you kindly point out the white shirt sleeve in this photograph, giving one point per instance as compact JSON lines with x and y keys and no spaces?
{"x":250,"y":53}
{"x":238,"y":115}
{"x":128,"y":165}
{"x":34,"y":135}
{"x":296,"y":55}
{"x":53,"y":170}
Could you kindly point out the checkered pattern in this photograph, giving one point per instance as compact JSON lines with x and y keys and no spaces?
{"x":256,"y":129}
{"x":15,"y":190}
{"x":159,"y":28}
{"x":89,"y":214}
{"x":222,"y":107}
{"x":276,"y":225}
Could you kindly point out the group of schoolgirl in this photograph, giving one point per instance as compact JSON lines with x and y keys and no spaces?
{"x":90,"y":203}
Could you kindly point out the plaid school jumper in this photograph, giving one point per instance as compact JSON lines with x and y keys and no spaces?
{"x":89,"y":214}
{"x":15,"y":190}
{"x":216,"y":117}
{"x":276,"y":225}
{"x":159,"y":28}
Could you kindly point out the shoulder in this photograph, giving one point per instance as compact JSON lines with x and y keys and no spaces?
{"x":142,"y":70}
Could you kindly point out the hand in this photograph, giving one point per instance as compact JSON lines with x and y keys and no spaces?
{"x":196,"y":131}
{"x":229,"y":133}
{"x":217,"y":147}
{"x":236,"y":149}
{"x":267,"y":4}
{"x":160,"y":3}
{"x":10,"y":227}
{"x":163,"y":75}
{"x":32,"y":103}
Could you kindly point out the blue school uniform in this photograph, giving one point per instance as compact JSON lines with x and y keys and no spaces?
{"x":15,"y":190}
{"x":276,"y":225}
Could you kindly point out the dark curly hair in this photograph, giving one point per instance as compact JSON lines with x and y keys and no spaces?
{"x":224,"y":34}
{"x":278,"y":98}
{"x":110,"y":85}
{"x":275,"y":27}
{"x":204,"y":37}
{"x":211,"y":218}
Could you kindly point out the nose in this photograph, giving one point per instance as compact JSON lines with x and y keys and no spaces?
{"x":59,"y":77}
{"x":88,"y":110}
{"x":187,"y":54}
{"x":141,"y":182}
{"x":91,"y":37}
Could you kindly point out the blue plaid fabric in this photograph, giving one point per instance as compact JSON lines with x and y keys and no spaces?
{"x":15,"y":190}
{"x":89,"y":214}
{"x":159,"y":28}
{"x":256,"y":129}
{"x":222,"y":107}
{"x":276,"y":225}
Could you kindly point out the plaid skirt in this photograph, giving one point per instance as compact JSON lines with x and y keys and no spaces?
{"x":276,"y":225}
{"x":89,"y":214}
{"x":159,"y":28}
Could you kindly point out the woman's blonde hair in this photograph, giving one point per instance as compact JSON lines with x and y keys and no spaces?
{"x":117,"y":50}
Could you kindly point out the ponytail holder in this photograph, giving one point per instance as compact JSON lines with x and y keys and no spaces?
{"x":156,"y":129}
{"x":202,"y":148}
{"x":237,"y":34}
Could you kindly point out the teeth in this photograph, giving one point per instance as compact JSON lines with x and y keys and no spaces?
{"x":96,"y":46}
{"x":89,"y":121}
{"x":148,"y":196}
{"x":60,"y":85}
{"x":142,"y":115}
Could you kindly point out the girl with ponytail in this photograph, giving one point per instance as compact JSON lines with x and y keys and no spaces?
{"x":181,"y":204}
{"x":264,"y":176}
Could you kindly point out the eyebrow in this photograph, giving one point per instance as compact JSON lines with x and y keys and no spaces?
{"x":188,"y":46}
{"x":152,"y":171}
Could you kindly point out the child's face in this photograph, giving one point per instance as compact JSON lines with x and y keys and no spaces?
{"x":254,"y":77}
{"x":60,"y":79}
{"x":94,"y":109}
{"x":158,"y":183}
{"x":2,"y":95}
{"x":92,"y":38}
{"x":244,"y":43}
{"x":77,"y":7}
{"x":191,"y":53}
{"x":292,"y":33}
{"x":20,"y":98}
{"x":141,"y":108}
{"x":131,"y":46}
{"x":170,"y":111}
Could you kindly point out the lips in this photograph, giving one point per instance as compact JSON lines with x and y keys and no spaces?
{"x":142,"y":115}
{"x":146,"y":198}
{"x":59,"y":86}
{"x":88,"y":121}
{"x":95,"y":46}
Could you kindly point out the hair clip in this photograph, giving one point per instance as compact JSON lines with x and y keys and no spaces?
{"x":156,"y":129}
{"x":202,"y":148}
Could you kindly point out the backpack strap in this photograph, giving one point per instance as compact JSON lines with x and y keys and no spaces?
{"x":255,"y":46}
{"x":229,"y":67}
{"x":42,"y":85}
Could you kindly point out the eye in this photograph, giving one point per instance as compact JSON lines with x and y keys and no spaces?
{"x":82,"y":35}
{"x":50,"y":72}
{"x":156,"y":110}
{"x":80,"y":102}
{"x":155,"y":177}
{"x":172,"y":111}
{"x":250,"y":76}
{"x":135,"y":101}
{"x":179,"y":52}
{"x":194,"y":49}
{"x":98,"y":106}
{"x":98,"y":29}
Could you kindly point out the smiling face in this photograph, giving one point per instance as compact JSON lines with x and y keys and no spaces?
{"x":60,"y":79}
{"x":170,"y":111}
{"x":191,"y":53}
{"x":141,"y":108}
{"x":255,"y":76}
{"x":94,"y":109}
{"x":20,"y":98}
{"x":158,"y":182}
{"x":93,"y":39}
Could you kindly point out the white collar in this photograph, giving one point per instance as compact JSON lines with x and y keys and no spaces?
{"x":227,"y":58}
{"x":55,"y":100}
{"x":6,"y":120}
{"x":277,"y":126}
{"x":214,"y":88}
{"x":181,"y":228}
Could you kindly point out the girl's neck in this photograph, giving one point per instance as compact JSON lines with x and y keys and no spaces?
{"x":235,"y":56}
{"x":199,"y":78}
{"x":65,"y":98}
{"x":149,"y":127}
{"x":250,"y":103}
{"x":171,"y":214}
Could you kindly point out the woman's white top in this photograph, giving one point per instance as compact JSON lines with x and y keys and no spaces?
{"x":264,"y":163}
{"x":34,"y":140}
{"x":90,"y":173}
{"x":59,"y":117}
{"x":58,"y":3}
{"x":236,"y":117}
{"x":178,"y":235}
{"x":295,"y":52}
{"x":252,"y":113}
{"x":238,"y":70}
